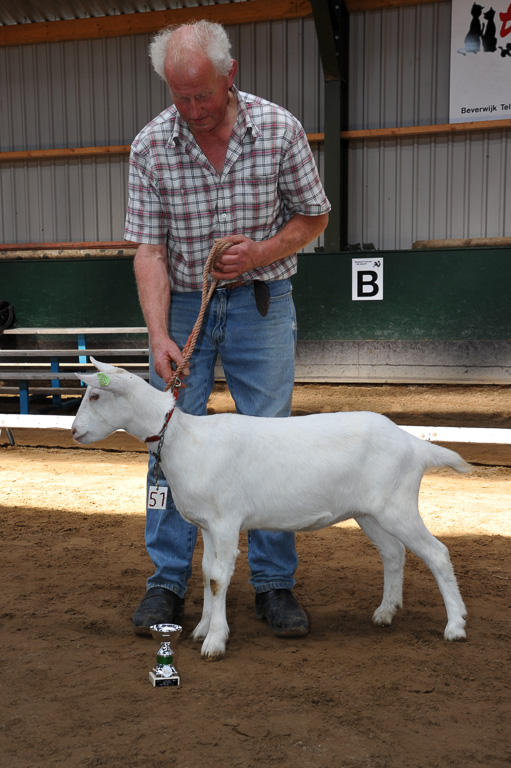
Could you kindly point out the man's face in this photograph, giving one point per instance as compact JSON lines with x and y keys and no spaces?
{"x":200,"y":95}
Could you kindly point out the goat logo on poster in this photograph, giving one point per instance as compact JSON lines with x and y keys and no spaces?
{"x":480,"y":61}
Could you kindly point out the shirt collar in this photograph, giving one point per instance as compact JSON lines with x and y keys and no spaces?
{"x":181,"y":132}
{"x":244,"y":121}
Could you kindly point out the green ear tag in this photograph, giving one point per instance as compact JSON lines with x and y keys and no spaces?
{"x":103,"y":379}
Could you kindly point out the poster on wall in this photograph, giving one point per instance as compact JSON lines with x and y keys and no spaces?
{"x":367,"y":279}
{"x":480,"y":61}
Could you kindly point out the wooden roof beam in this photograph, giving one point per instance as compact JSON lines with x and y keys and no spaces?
{"x":313,"y":138}
{"x":149,"y":22}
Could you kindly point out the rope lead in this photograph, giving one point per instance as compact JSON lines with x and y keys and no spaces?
{"x":219,"y":247}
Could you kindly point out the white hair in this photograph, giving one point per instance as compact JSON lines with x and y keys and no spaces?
{"x":205,"y":36}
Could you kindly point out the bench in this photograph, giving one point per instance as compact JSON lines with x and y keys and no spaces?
{"x":35,"y":372}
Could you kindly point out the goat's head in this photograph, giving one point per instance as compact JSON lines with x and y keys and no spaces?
{"x":106,"y":404}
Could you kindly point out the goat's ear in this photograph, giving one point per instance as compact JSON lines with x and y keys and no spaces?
{"x":102,"y":380}
{"x":94,"y":379}
{"x":105,"y":367}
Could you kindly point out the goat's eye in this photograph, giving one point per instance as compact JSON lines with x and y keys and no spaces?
{"x":94,"y":396}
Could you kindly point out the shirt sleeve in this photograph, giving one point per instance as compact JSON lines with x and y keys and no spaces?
{"x":299,"y":183}
{"x":145,"y":220}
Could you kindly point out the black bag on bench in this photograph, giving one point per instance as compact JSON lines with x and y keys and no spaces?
{"x":7,"y":316}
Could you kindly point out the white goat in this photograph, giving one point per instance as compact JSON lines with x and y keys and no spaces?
{"x":230,"y":473}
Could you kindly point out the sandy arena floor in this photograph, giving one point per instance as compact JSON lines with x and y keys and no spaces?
{"x":74,"y":678}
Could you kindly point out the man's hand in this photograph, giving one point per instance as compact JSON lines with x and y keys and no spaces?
{"x":246,"y":254}
{"x":165,"y":353}
{"x":243,"y":255}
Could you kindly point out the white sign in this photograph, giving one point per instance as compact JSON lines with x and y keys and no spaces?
{"x":157,"y":497}
{"x":480,"y":61}
{"x":367,"y":279}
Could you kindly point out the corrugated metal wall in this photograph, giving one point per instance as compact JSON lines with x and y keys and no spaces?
{"x":400,"y":190}
{"x":414,"y":189}
{"x":399,"y":66}
{"x":408,"y":189}
{"x":102,"y":92}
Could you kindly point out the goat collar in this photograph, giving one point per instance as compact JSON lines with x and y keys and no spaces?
{"x":161,"y":433}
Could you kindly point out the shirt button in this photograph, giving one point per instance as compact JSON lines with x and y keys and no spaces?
{"x":224,"y":215}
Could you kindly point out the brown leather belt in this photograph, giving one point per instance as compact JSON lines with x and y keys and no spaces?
{"x":237,"y":284}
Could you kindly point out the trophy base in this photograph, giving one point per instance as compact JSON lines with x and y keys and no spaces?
{"x":160,"y":682}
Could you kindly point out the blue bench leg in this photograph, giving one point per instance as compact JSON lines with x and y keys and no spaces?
{"x":54,"y":366}
{"x":24,"y":397}
{"x":82,"y":359}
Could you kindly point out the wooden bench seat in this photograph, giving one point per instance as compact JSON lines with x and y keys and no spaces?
{"x":33,"y":354}
{"x":99,"y":331}
{"x":40,"y":374}
{"x":7,"y":390}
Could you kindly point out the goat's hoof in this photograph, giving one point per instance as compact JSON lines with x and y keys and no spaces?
{"x":212,"y":651}
{"x":213,"y":656}
{"x":455,"y":634}
{"x":382,"y":617}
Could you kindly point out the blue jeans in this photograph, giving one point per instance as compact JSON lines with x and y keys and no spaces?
{"x":257,"y":355}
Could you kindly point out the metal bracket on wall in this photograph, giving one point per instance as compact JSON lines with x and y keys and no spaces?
{"x":331,"y":20}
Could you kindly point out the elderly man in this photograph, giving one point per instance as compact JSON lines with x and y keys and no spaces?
{"x":220,"y":163}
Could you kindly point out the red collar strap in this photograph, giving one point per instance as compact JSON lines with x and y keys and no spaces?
{"x":157,"y":438}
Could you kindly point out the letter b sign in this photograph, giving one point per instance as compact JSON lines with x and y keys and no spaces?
{"x":367,"y":279}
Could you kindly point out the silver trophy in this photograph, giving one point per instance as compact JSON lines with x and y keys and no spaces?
{"x":165,"y":673}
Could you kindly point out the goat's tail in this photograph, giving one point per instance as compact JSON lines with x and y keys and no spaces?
{"x":438,"y":456}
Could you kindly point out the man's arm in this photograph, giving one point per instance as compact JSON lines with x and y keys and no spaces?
{"x":151,"y":272}
{"x":246,"y":254}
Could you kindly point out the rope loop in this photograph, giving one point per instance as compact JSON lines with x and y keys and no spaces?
{"x":207,"y":291}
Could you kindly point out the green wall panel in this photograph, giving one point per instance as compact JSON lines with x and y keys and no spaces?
{"x":71,"y":292}
{"x":454,"y":294}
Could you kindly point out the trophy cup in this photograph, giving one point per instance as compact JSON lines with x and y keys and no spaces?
{"x":164,"y":673}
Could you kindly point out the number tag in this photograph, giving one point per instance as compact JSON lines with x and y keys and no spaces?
{"x":157,"y":497}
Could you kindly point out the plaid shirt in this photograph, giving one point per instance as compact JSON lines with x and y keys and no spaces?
{"x":177,"y":198}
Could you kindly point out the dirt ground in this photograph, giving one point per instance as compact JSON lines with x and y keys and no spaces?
{"x":74,"y":678}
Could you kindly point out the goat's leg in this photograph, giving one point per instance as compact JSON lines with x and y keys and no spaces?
{"x":392,"y":553}
{"x":222,"y":552}
{"x":208,"y":558}
{"x":408,"y":527}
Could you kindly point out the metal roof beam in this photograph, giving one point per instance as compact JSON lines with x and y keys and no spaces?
{"x":332,"y":29}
